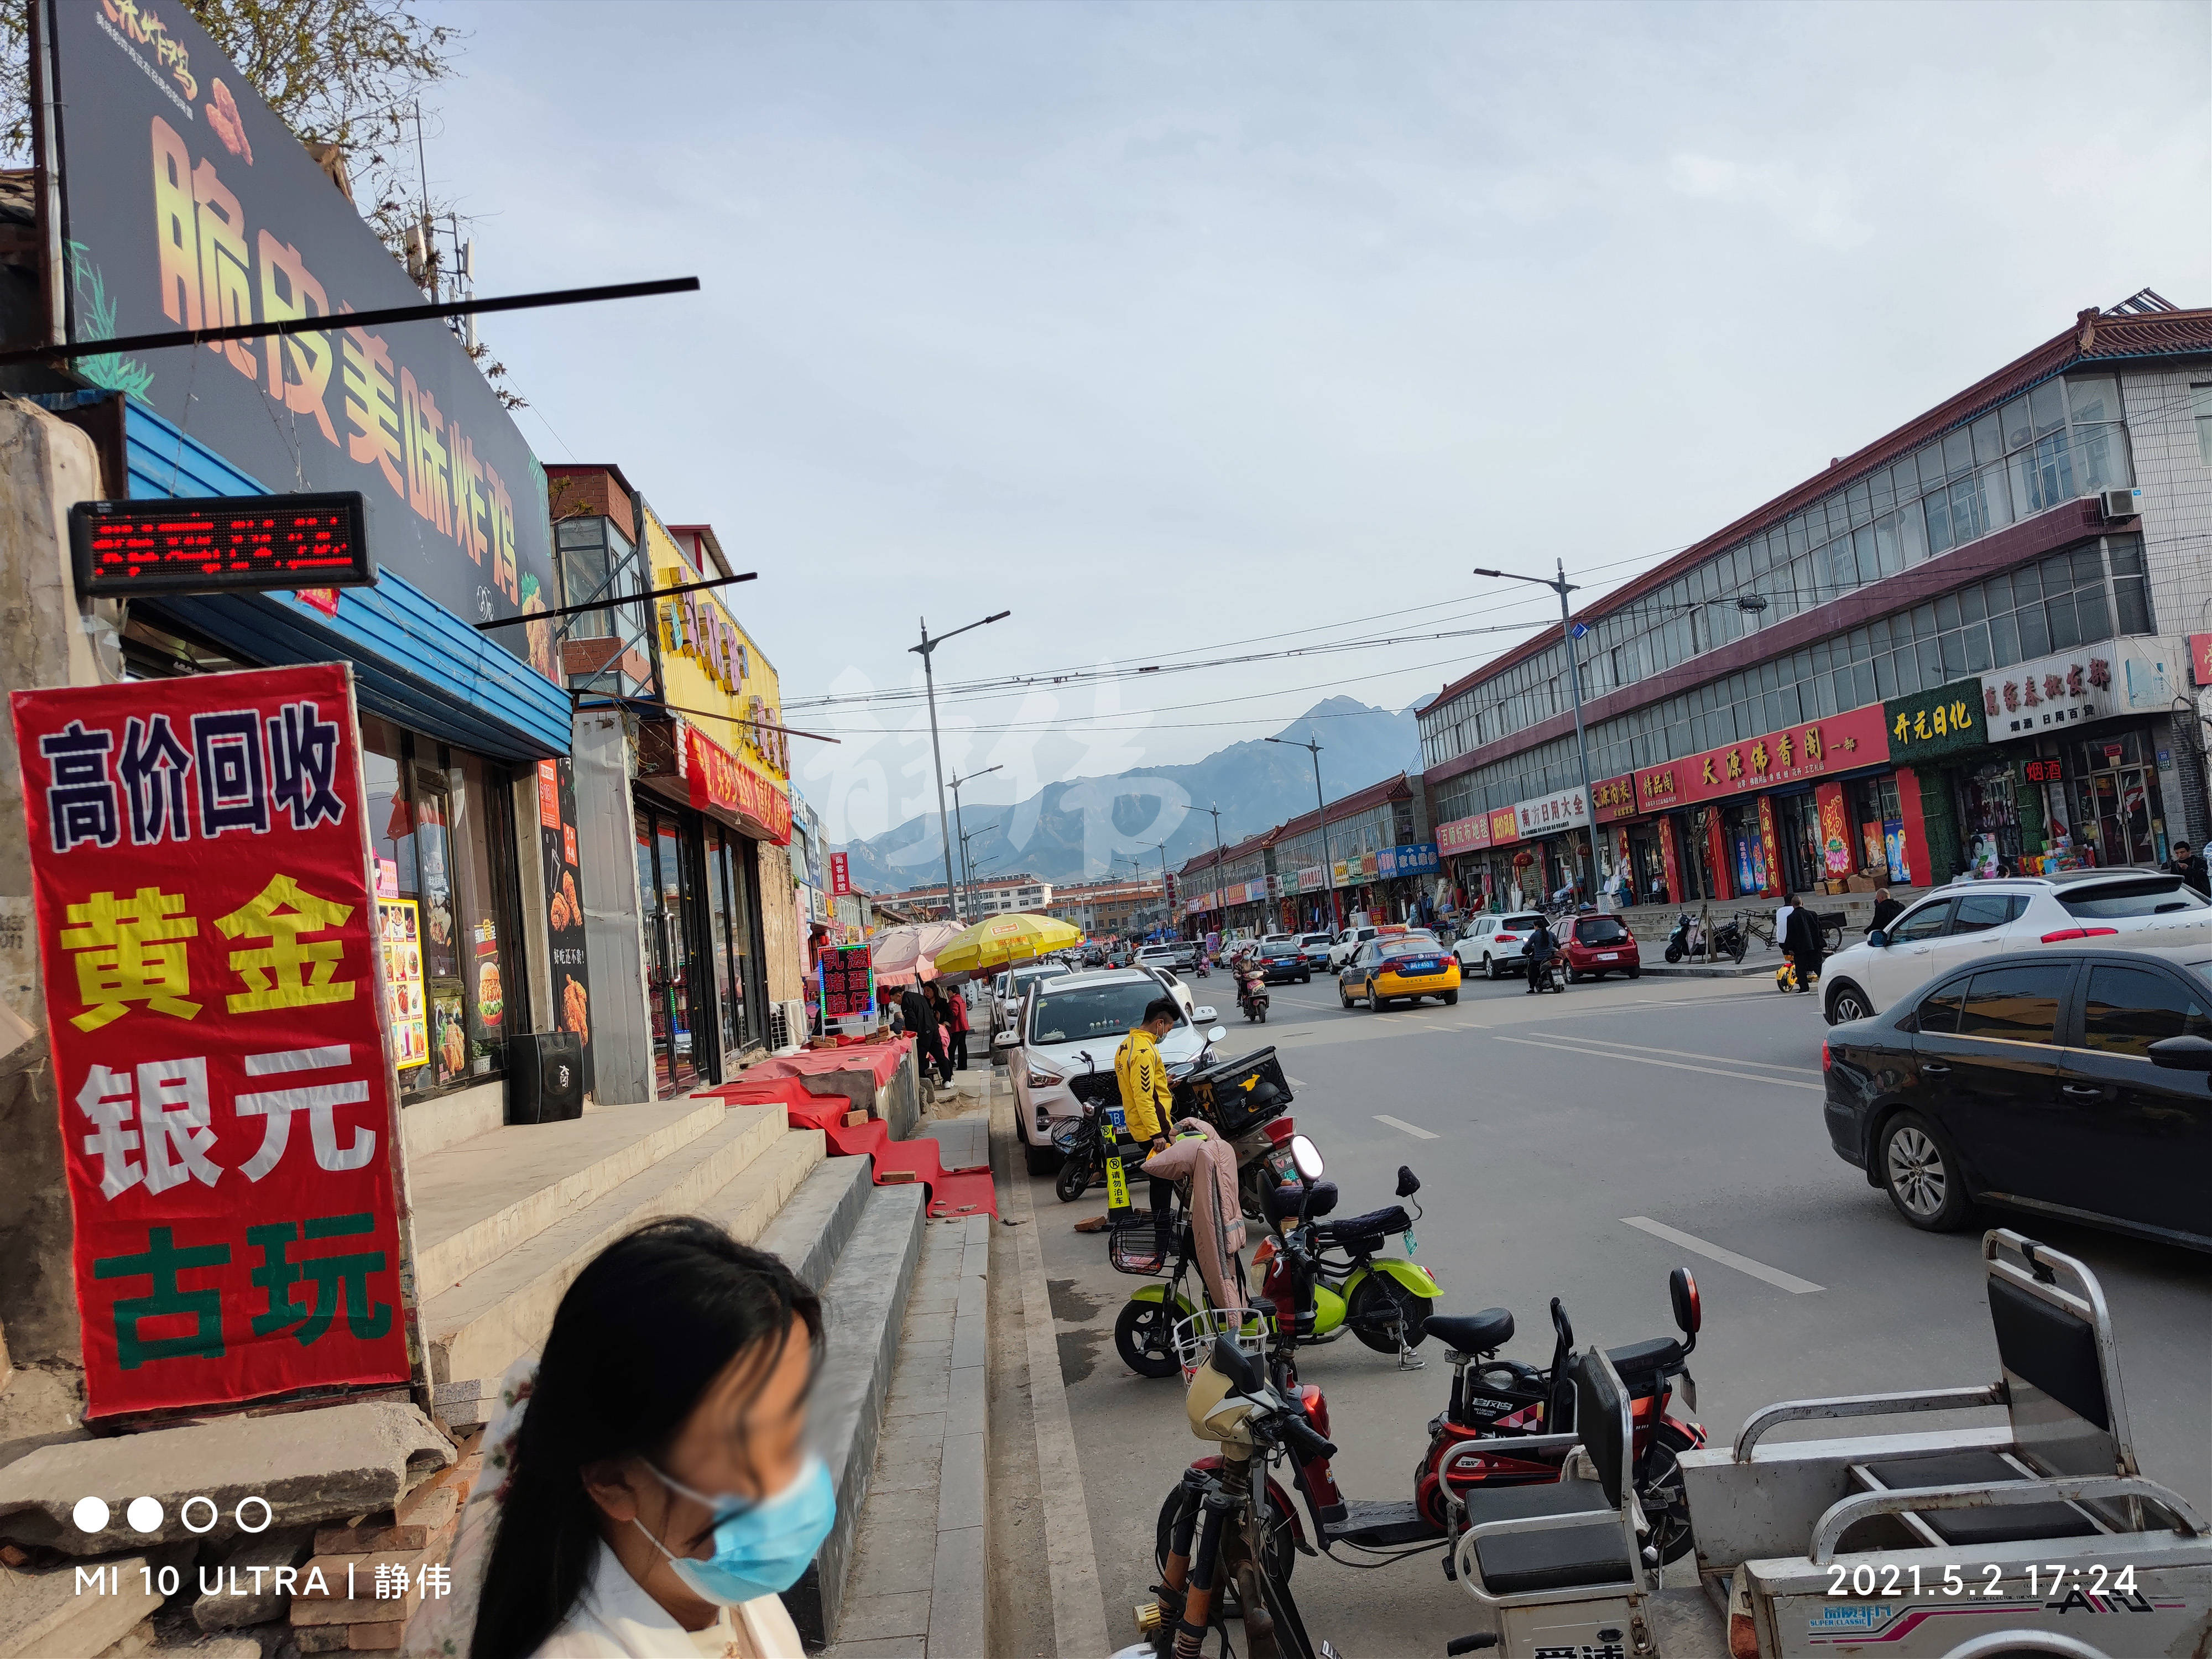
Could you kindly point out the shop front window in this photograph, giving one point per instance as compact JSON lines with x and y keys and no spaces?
{"x":441,"y":836}
{"x":2118,"y":811}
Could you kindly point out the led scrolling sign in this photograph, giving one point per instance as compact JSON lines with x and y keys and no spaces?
{"x":220,"y":545}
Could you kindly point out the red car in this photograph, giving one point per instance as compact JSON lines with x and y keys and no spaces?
{"x":1594,"y":946}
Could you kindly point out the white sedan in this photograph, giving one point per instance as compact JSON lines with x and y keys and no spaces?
{"x":2122,"y":910}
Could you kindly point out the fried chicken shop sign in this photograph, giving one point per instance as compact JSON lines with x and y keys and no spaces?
{"x":206,"y":936}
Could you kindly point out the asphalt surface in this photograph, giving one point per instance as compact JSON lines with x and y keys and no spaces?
{"x":1537,"y":1125}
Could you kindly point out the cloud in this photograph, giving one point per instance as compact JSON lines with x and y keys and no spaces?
{"x":1816,"y":211}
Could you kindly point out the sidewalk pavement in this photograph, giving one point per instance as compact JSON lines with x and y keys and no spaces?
{"x":917,"y":1585}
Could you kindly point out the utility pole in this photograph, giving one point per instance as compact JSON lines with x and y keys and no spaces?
{"x":1327,"y":865}
{"x":927,"y":649}
{"x":1562,"y":587}
{"x":967,"y":872}
{"x":1221,"y":907}
{"x":967,"y":866}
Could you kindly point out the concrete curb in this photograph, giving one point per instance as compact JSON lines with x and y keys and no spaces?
{"x":1079,"y":1605}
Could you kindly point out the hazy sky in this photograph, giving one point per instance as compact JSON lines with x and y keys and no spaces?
{"x":1168,"y":327}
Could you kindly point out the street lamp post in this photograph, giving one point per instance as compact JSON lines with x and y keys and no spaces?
{"x":1327,"y":866}
{"x":967,"y":874}
{"x":1562,"y":587}
{"x":967,"y":866}
{"x":927,"y":650}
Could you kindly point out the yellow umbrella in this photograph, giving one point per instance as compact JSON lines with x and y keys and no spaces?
{"x":1002,"y":939}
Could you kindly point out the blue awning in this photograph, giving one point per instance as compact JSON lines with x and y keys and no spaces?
{"x":414,"y":661}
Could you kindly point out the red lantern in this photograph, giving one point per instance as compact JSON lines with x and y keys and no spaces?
{"x":1523,"y":859}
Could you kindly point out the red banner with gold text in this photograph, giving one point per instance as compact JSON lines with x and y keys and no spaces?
{"x":207,"y":933}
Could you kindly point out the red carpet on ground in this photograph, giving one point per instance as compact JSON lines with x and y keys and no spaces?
{"x":781,"y":1081}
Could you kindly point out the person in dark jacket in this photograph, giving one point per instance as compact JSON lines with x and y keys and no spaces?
{"x":2188,"y":864}
{"x":1801,"y":940}
{"x":1540,"y":948}
{"x":922,"y":1020}
{"x":1886,"y":910}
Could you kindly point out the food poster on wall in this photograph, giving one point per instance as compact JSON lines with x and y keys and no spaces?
{"x":400,"y":921}
{"x":440,"y":949}
{"x":564,"y":902}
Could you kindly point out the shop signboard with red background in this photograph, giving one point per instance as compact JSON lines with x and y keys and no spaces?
{"x":2200,"y":659}
{"x":848,"y":985}
{"x":1811,"y":748}
{"x":719,"y":781}
{"x":840,"y":875}
{"x":207,"y":934}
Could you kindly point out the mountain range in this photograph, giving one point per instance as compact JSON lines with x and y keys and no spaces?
{"x":1087,"y":828}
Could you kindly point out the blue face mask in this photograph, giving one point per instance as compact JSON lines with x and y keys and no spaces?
{"x":760,"y":1547}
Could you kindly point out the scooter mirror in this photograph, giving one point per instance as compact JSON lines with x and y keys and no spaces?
{"x":1689,"y":1313}
{"x":1307,"y":1157}
{"x":1408,"y":1183}
{"x":1216,"y":1034}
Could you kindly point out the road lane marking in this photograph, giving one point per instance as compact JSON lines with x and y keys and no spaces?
{"x":1671,"y":1064}
{"x":1295,"y":1081}
{"x":1742,"y":1264}
{"x":1400,"y":1124}
{"x":1682,"y":1054}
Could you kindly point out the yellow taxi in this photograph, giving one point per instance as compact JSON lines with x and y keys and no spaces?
{"x":1408,"y":965}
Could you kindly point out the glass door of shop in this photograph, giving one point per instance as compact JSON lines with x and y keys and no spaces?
{"x":1797,"y":826}
{"x":680,"y":987}
{"x":2115,"y":793}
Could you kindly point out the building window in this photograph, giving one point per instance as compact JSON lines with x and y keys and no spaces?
{"x":2200,"y":401}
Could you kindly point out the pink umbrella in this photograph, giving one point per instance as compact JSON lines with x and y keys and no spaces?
{"x":907,"y":955}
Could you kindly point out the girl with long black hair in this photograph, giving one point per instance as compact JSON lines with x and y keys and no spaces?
{"x":648,"y":1490}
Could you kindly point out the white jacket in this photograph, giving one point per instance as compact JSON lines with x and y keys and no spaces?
{"x":615,"y":1618}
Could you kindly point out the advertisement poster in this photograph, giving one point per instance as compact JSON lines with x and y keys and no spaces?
{"x":209,"y":942}
{"x":848,"y":987}
{"x":564,"y":902}
{"x":1892,"y":841}
{"x":188,"y":204}
{"x":1835,"y":830}
{"x":401,"y":923}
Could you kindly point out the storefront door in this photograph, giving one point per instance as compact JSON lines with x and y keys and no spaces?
{"x":677,"y":987}
{"x":2116,"y":790}
{"x":1988,"y":820}
{"x":1797,"y":826}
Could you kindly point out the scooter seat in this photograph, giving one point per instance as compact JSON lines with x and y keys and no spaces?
{"x":1475,"y":1333}
{"x":1564,"y":1557}
{"x":1661,"y":1354}
{"x":1373,"y":1225}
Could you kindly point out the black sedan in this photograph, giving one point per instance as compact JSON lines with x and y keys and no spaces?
{"x":2073,"y":1082}
{"x":1285,"y":962}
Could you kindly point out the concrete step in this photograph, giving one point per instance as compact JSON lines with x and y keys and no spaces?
{"x":811,"y":1229}
{"x":474,"y":1202}
{"x":864,"y":1305}
{"x":746,"y":1209}
{"x":475,"y":1329}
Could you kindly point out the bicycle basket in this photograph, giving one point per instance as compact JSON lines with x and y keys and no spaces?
{"x":1136,"y":1243}
{"x":1065,"y":1133}
{"x":1248,"y":1327}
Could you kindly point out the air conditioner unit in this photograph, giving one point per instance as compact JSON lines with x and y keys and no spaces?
{"x":2119,"y":504}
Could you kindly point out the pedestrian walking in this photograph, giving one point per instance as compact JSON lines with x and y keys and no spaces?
{"x":647,"y":1487}
{"x":922,"y":1020}
{"x":1803,"y":941}
{"x":955,"y":1025}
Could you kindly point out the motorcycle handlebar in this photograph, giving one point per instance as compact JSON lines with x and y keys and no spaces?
{"x":1302,"y":1437}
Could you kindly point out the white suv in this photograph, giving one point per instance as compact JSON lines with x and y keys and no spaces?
{"x":1496,"y":945}
{"x":1075,"y":1024}
{"x":2123,"y":909}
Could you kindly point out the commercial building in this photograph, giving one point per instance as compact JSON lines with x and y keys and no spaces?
{"x":1961,"y":648}
{"x":1367,"y":853}
{"x":682,"y":798}
{"x":1110,"y":909}
{"x":996,"y":896}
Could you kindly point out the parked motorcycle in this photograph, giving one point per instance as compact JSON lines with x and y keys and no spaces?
{"x":1218,"y":1534}
{"x":1323,"y":1277}
{"x":1732,"y":938}
{"x":1506,"y":1424}
{"x":1082,"y":1142}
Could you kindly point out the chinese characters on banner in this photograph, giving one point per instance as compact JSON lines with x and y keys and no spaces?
{"x":564,"y":901}
{"x":718,"y":779}
{"x":849,"y":982}
{"x":840,"y":875}
{"x":1812,"y":749}
{"x":208,"y":937}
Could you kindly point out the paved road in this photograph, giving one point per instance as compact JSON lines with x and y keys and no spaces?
{"x":1536,"y":1126}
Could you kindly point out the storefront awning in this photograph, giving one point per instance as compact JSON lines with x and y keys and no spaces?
{"x":414,"y":661}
